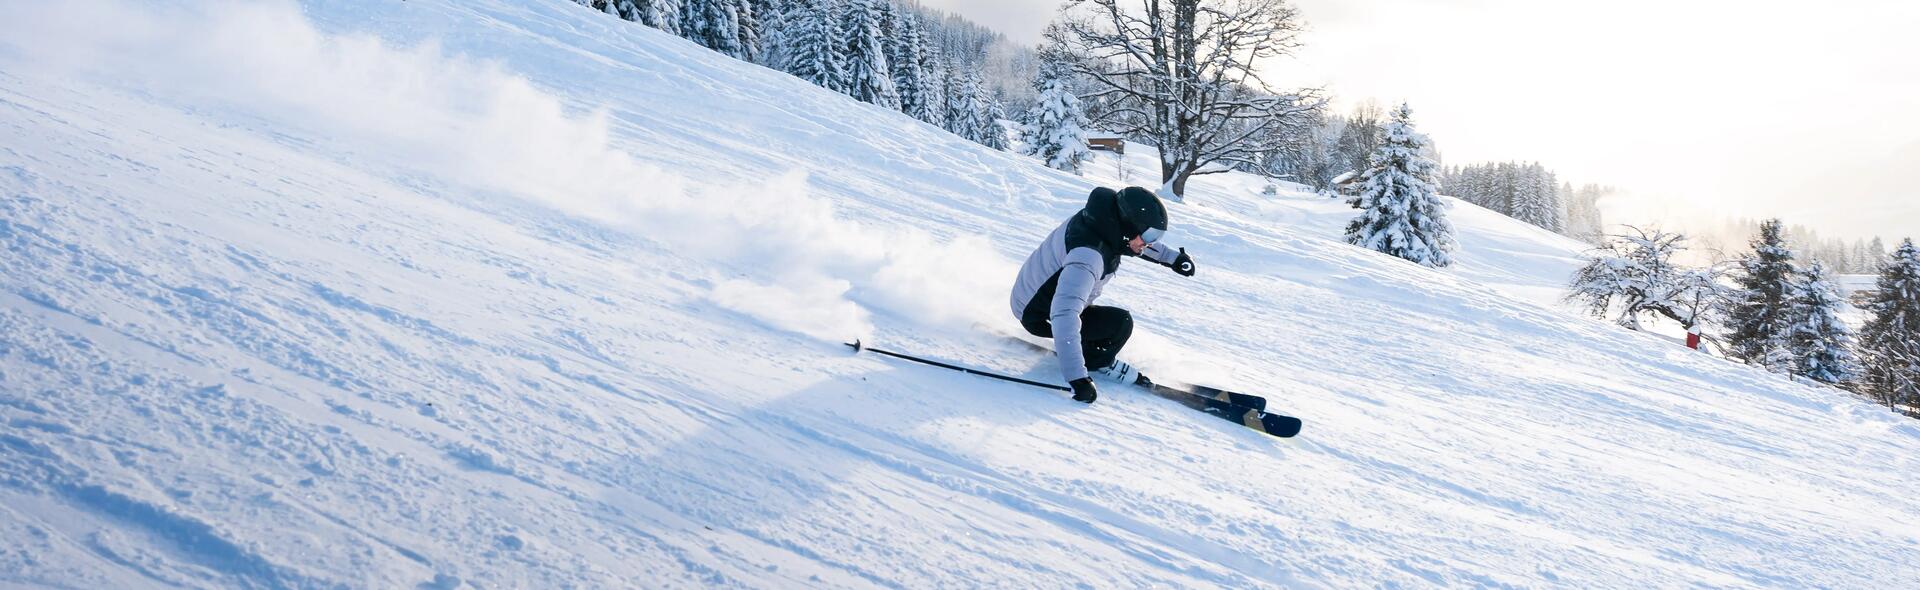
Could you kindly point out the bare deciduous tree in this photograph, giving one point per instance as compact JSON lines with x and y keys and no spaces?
{"x":1181,"y":74}
{"x":1635,"y":275}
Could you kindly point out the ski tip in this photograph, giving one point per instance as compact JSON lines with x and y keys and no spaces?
{"x":1281,"y":426}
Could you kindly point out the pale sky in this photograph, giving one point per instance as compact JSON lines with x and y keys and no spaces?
{"x":1701,"y":109}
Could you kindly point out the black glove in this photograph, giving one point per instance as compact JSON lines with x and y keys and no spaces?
{"x":1183,"y":265}
{"x":1083,"y":390}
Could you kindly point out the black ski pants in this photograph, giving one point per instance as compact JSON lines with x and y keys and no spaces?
{"x":1103,"y":331}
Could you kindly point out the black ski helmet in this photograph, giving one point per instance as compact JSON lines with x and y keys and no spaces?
{"x":1141,"y":210}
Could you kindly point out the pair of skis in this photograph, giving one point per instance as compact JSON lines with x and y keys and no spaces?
{"x":1246,"y":410}
{"x":1243,"y":409}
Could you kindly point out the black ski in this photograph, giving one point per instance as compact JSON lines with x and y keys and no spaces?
{"x":1243,"y":409}
{"x":1231,"y":397}
{"x":1212,"y":402}
{"x":1214,"y":393}
{"x":1255,"y":418}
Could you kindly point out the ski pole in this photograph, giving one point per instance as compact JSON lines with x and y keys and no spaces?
{"x":857,"y":347}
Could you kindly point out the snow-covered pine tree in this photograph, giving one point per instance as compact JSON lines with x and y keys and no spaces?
{"x":1496,"y":192}
{"x":1759,"y":313}
{"x":772,"y":16}
{"x":1509,"y":186}
{"x":994,"y":134}
{"x":809,"y":47}
{"x":1562,"y":208}
{"x":1521,"y":198}
{"x":906,"y":58}
{"x":1489,"y":190}
{"x":1465,"y":184}
{"x":953,"y":89}
{"x":1446,"y":179}
{"x":1891,"y":339}
{"x":1505,"y":181}
{"x":712,"y":24}
{"x":1400,"y":214}
{"x":967,"y":105}
{"x":868,"y":78}
{"x":751,"y":31}
{"x":1636,"y":275}
{"x":1529,"y":204}
{"x":1056,"y":127}
{"x":1848,"y":263}
{"x":1822,"y":344}
{"x":1866,"y":258}
{"x":725,"y":26}
{"x":1472,"y":185}
{"x":625,"y":9}
{"x":1549,"y":193}
{"x":1478,"y":183}
{"x":1536,"y":197}
{"x":933,"y":66}
{"x":661,"y":14}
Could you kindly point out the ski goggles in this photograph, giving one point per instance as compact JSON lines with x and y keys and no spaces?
{"x":1152,"y":235}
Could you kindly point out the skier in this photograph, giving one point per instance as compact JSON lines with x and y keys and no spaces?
{"x":1054,"y":292}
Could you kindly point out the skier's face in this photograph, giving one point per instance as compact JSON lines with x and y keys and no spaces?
{"x":1146,"y":238}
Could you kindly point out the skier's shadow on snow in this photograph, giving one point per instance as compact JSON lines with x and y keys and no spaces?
{"x":795,"y":468}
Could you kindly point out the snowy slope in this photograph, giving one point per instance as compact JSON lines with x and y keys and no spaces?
{"x":498,"y":293}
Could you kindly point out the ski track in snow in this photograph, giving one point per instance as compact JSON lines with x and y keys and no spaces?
{"x":251,"y":341}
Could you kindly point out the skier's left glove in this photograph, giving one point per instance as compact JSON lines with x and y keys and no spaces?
{"x":1183,"y":264}
{"x":1083,"y":390}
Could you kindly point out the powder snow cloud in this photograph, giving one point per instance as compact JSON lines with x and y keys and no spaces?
{"x":474,"y":123}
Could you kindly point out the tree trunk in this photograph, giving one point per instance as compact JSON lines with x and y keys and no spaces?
{"x":1175,"y":175}
{"x":1180,"y":184}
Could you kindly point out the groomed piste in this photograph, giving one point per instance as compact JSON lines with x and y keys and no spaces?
{"x":507,"y":293}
